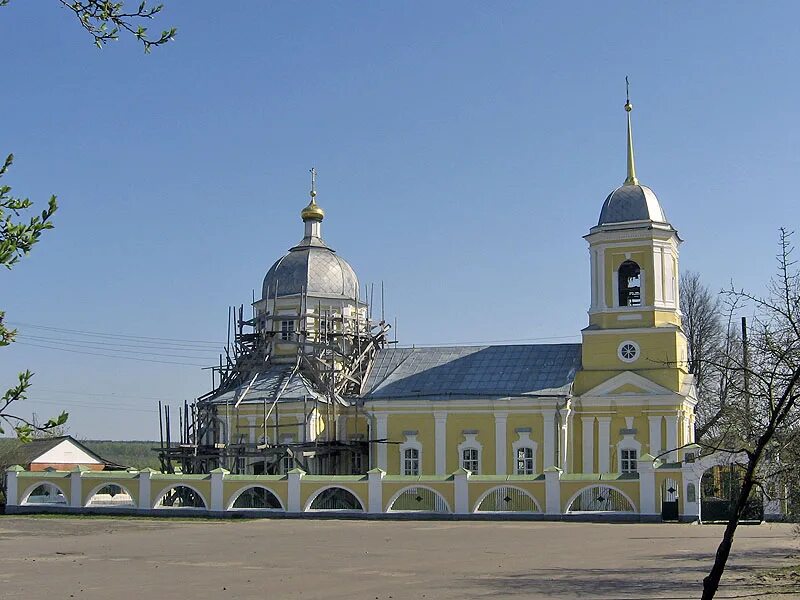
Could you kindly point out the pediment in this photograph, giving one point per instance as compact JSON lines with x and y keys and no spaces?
{"x":628,"y":383}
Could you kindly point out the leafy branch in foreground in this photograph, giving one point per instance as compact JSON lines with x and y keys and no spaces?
{"x":104,"y":20}
{"x":17,"y":237}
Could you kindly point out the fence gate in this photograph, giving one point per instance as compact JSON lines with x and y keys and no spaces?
{"x":669,"y":500}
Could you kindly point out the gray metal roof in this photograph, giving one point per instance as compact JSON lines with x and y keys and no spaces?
{"x":482,"y":371}
{"x":313,"y":266}
{"x":269,"y":383}
{"x":631,"y":203}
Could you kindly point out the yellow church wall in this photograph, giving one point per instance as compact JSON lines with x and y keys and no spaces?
{"x":423,"y":424}
{"x":519,"y":421}
{"x":312,"y":485}
{"x":233,"y":485}
{"x":394,"y":485}
{"x":162,"y":483}
{"x":457,"y":423}
{"x":479,"y":485}
{"x":93,"y":481}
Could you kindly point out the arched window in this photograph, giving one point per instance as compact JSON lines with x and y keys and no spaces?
{"x":630,"y":284}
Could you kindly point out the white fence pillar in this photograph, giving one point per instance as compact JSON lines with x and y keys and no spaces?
{"x":293,"y":491}
{"x":461,"y":491}
{"x":217,"y":484}
{"x":75,"y":488}
{"x":12,"y":485}
{"x":375,"y":488}
{"x":647,"y":485}
{"x":144,"y":488}
{"x":552,"y":490}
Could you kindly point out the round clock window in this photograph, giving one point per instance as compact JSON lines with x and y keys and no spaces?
{"x":628,"y":351}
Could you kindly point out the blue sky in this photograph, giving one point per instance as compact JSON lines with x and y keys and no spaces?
{"x":463,"y":149}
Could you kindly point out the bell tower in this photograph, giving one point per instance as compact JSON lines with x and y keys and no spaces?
{"x":634,"y":316}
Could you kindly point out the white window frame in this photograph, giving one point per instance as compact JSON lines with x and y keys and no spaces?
{"x":628,"y":464}
{"x":287,"y":330}
{"x":411,"y":443}
{"x":523,"y":442}
{"x":471,"y":443}
{"x":628,"y":443}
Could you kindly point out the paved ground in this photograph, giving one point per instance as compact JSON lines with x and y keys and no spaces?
{"x":160,"y":559}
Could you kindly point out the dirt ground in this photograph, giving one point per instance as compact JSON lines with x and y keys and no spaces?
{"x":101,"y":558}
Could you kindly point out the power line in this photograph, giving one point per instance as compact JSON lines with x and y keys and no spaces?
{"x":535,"y":339}
{"x":102,"y":342}
{"x":93,"y":347}
{"x":104,"y":395}
{"x":110,"y":335}
{"x":164,"y":362}
{"x":100,"y":407}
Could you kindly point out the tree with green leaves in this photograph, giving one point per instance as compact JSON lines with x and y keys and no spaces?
{"x":105,"y":21}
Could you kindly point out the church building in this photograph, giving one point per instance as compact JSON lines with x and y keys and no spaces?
{"x":314,"y":383}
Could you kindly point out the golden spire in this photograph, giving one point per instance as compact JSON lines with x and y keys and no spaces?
{"x":631,"y":178}
{"x":313,"y":212}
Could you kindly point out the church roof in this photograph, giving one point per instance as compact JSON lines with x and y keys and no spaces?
{"x":314,"y":267}
{"x":275,"y":380}
{"x":473,"y":371}
{"x":631,"y":202}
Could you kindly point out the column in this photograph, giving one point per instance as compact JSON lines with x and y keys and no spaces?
{"x":672,"y":438}
{"x":12,"y":485}
{"x":501,"y":444}
{"x":647,"y":486}
{"x":145,"y":475}
{"x":563,"y":442}
{"x":552,"y":491}
{"x":587,"y":424}
{"x":375,"y":487}
{"x":461,"y":492}
{"x":251,"y":427}
{"x":293,"y":491}
{"x":603,"y":444}
{"x":75,"y":488}
{"x":548,"y":458}
{"x":217,"y":499}
{"x":655,"y":435}
{"x":382,"y":433}
{"x":440,"y":441}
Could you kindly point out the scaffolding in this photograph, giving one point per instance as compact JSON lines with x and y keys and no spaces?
{"x":328,"y":354}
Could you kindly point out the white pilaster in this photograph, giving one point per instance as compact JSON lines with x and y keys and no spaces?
{"x":552,"y":491}
{"x":563,"y":442}
{"x":647,"y":485}
{"x":460,"y":481}
{"x":12,"y":485}
{"x":75,"y":495}
{"x":382,"y":433}
{"x":145,"y":476}
{"x":587,"y":424}
{"x":217,"y":477}
{"x":672,"y":438}
{"x":548,"y":457}
{"x":603,"y":444}
{"x":655,"y":435}
{"x":375,"y":488}
{"x":440,"y":433}
{"x":251,"y":428}
{"x":501,"y":445}
{"x":293,"y":491}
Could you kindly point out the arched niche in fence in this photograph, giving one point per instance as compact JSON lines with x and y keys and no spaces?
{"x":43,"y":494}
{"x":255,"y":498}
{"x":109,"y":495}
{"x":507,"y":499}
{"x":335,"y":498}
{"x":419,"y":499}
{"x":600,"y":498}
{"x":180,"y":496}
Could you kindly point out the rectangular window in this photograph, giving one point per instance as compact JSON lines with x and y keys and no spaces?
{"x":470,"y":460}
{"x":627,"y":461}
{"x":525,"y":461}
{"x":410,"y":461}
{"x":356,"y":463}
{"x":288,"y":463}
{"x":287,"y":330}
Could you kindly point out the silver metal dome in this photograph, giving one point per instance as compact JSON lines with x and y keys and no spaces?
{"x":313,"y":267}
{"x":631,"y":203}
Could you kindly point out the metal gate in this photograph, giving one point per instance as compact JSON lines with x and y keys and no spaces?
{"x":720,"y":487}
{"x":669,"y":500}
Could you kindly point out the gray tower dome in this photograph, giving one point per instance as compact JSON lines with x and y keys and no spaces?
{"x":631,"y":202}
